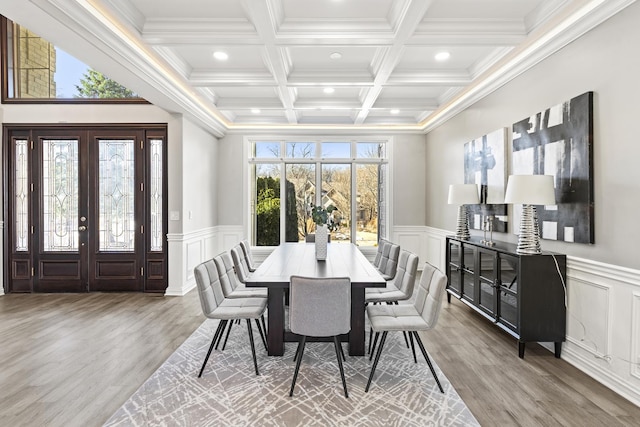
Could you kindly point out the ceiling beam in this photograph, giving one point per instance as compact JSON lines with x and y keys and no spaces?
{"x":408,"y":20}
{"x":265,"y":18}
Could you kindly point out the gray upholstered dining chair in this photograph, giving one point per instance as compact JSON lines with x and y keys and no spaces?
{"x":400,"y":288}
{"x":319,"y":307}
{"x":232,"y":288}
{"x":216,"y":306}
{"x":388,"y":260}
{"x":246,"y":248}
{"x":376,"y":260}
{"x":240,"y":263}
{"x":422,"y":315}
{"x":231,"y":284}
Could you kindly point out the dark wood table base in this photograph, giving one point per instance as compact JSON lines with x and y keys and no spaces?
{"x":275,"y":322}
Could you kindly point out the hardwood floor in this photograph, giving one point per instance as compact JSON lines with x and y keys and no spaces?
{"x":73,"y":359}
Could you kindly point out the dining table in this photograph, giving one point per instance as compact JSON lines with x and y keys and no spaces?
{"x":299,"y":259}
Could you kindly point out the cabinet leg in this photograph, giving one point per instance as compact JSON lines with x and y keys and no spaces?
{"x":448,"y":298}
{"x":521,"y":345}
{"x":558,"y":348}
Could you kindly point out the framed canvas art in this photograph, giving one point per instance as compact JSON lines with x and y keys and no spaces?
{"x":559,"y":141}
{"x":484,"y":164}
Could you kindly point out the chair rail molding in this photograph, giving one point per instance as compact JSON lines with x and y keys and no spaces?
{"x":187,"y":250}
{"x":603,"y":319}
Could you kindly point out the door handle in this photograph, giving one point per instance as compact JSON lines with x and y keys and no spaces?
{"x":82,"y":228}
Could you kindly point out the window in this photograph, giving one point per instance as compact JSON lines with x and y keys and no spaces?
{"x":37,"y":71}
{"x":351,"y":175}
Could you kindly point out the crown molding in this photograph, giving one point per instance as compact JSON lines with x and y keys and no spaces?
{"x":571,"y":25}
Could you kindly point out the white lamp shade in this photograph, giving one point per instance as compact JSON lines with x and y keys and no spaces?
{"x":463,"y":194}
{"x":530,"y":190}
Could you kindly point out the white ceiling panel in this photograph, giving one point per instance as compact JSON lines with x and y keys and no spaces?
{"x":280,"y":53}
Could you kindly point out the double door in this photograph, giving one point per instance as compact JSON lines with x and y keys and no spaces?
{"x":85,"y":209}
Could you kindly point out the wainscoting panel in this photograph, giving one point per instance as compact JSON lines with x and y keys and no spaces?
{"x":411,"y":239}
{"x":588,"y":317}
{"x":195,"y":253}
{"x":603,"y":318}
{"x":635,"y":336}
{"x":190,"y":249}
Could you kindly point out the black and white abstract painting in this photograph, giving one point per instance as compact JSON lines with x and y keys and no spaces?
{"x":484,"y":164}
{"x":559,"y":141}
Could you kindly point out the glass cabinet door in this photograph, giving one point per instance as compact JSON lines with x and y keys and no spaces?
{"x":468,"y":272}
{"x":454,"y":267}
{"x":508,"y":291}
{"x":487,"y":281}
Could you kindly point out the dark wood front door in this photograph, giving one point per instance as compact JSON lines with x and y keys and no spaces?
{"x":86,"y":209}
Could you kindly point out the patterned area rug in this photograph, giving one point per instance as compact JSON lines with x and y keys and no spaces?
{"x":230,"y":394}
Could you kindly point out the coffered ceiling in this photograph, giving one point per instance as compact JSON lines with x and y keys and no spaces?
{"x":377,"y":58}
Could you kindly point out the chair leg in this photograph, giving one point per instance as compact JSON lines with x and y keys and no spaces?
{"x":375,"y":341}
{"x":339,"y":357}
{"x":341,"y":351}
{"x":224,"y":345}
{"x":295,"y":356}
{"x":299,"y":354}
{"x":264,"y":325}
{"x":262,"y":335}
{"x":253,"y":347}
{"x":213,"y":342}
{"x":375,"y":362}
{"x":426,"y":357}
{"x":370,"y":340}
{"x":413,"y":348}
{"x":406,"y":340}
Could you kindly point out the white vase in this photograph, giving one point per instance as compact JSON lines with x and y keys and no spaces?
{"x":321,"y":242}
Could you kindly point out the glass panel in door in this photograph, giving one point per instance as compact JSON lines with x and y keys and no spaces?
{"x":59,"y":195}
{"x":116,"y":215}
{"x":60,"y":260}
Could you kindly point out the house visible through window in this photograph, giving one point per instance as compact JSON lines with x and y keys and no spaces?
{"x":350,"y":175}
{"x":37,"y":70}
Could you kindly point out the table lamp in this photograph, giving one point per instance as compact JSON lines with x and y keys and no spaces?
{"x":461,"y":195}
{"x":530,"y":190}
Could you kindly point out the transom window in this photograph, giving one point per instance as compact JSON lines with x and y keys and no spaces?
{"x":348,"y":174}
{"x":37,"y":71}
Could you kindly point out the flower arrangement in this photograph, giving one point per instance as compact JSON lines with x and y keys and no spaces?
{"x":322,"y":216}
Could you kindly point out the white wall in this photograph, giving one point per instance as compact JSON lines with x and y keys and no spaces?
{"x":193,"y":237}
{"x":604,"y":281}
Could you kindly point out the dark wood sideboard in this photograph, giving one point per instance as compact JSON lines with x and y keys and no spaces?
{"x":521,"y":294}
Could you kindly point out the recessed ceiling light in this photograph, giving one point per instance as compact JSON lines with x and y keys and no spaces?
{"x":395,"y":111}
{"x":442,"y":56}
{"x":255,"y":110}
{"x":328,"y":90}
{"x":335,"y":55}
{"x":220,"y":55}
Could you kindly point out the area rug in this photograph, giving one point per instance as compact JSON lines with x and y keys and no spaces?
{"x":230,"y":394}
